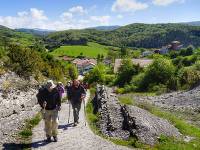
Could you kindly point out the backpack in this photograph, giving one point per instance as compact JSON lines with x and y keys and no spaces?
{"x":40,"y":95}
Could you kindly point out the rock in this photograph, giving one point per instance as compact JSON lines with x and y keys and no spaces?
{"x":147,"y":127}
{"x":126,"y":121}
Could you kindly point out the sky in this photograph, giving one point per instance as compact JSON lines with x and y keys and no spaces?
{"x":78,"y":14}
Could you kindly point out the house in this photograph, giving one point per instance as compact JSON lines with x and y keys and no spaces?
{"x":147,"y":53}
{"x":66,"y":58}
{"x":176,"y":45}
{"x":141,"y":62}
{"x":84,"y":65}
{"x":164,"y":50}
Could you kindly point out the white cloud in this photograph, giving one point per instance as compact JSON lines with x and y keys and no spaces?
{"x":37,"y":14}
{"x":103,"y":20}
{"x":78,"y":10}
{"x":128,"y":6}
{"x":66,"y":16}
{"x":35,"y":18}
{"x":166,"y":2}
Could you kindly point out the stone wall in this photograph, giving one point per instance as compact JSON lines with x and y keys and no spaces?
{"x":124,"y":121}
{"x":17,"y":103}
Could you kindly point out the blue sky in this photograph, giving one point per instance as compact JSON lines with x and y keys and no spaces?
{"x":67,"y":14}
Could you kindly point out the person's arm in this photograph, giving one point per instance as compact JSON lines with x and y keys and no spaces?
{"x":69,"y":96}
{"x":58,"y":101}
{"x":83,"y":93}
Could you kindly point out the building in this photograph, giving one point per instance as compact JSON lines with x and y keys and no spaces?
{"x":84,"y":65}
{"x":176,"y":45}
{"x":141,"y":62}
{"x":146,"y":53}
{"x":164,"y":50}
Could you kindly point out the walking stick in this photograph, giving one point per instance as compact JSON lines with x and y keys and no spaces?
{"x":69,"y":112}
{"x":84,"y":111}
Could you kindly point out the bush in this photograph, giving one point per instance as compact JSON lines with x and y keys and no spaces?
{"x":189,"y":77}
{"x":96,"y":75}
{"x":126,"y":71}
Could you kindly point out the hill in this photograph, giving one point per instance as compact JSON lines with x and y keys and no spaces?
{"x":13,"y":36}
{"x":194,"y":23}
{"x":105,"y":28}
{"x":133,"y":35}
{"x":38,"y":32}
{"x":91,"y":50}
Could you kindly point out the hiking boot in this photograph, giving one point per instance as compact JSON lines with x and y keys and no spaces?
{"x":48,"y":139}
{"x":75,"y":124}
{"x":55,"y":138}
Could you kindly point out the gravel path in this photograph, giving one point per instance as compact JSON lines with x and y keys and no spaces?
{"x":72,"y":138}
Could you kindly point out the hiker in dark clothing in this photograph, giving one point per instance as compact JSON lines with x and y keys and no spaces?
{"x":50,"y":101}
{"x":76,"y":94}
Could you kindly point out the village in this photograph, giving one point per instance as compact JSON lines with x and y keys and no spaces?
{"x":84,"y":65}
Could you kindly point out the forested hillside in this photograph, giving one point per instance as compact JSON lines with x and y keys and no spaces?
{"x":133,"y":35}
{"x":11,"y":36}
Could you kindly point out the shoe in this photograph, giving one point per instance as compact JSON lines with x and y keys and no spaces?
{"x":48,"y":139}
{"x":75,"y":124}
{"x":55,"y":138}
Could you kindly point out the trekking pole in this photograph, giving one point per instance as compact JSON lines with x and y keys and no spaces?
{"x":69,"y":112}
{"x":84,"y":111}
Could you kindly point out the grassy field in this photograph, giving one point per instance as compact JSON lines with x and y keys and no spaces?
{"x":91,"y":50}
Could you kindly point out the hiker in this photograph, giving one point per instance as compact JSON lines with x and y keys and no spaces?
{"x":60,"y":88}
{"x":76,"y":94}
{"x":50,"y":101}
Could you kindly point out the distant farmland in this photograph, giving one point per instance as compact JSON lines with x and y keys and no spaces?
{"x":91,"y":50}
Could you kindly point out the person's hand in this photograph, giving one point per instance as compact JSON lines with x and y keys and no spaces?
{"x":44,"y":104}
{"x":82,"y":97}
{"x":58,"y":108}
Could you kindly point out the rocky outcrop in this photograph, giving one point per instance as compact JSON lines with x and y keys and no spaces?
{"x":125,"y":121}
{"x":147,"y":127}
{"x":183,"y":100}
{"x":111,"y":122}
{"x":17,"y":103}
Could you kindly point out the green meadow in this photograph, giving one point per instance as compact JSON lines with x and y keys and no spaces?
{"x":91,"y":50}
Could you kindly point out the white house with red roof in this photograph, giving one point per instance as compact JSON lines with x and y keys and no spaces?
{"x":84,"y":65}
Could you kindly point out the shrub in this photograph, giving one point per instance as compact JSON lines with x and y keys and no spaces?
{"x":96,"y":75}
{"x":189,"y":77}
{"x":126,"y":71}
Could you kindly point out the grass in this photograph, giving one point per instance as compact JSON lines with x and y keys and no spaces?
{"x":126,"y":100}
{"x":91,"y":50}
{"x":165,"y":143}
{"x":169,"y":143}
{"x":29,"y":125}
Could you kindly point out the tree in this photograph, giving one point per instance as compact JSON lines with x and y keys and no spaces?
{"x":72,"y":72}
{"x":126,"y":72}
{"x":96,"y":75}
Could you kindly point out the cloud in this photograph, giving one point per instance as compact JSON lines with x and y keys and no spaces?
{"x":66,"y":16}
{"x":35,"y":18}
{"x":103,"y":20}
{"x":166,"y":2}
{"x":128,"y":6}
{"x":78,"y":10}
{"x":37,"y":14}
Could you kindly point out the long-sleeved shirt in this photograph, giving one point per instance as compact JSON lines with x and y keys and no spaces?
{"x":74,"y":94}
{"x":52,"y":99}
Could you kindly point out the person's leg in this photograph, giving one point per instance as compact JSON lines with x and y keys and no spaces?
{"x":48,"y":124}
{"x":55,"y":124}
{"x":76,"y":108}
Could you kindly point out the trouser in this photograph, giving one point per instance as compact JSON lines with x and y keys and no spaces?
{"x":51,"y":122}
{"x":76,"y":108}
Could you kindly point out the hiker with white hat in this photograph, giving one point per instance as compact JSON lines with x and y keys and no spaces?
{"x":50,"y":100}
